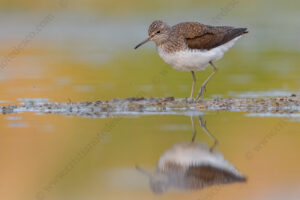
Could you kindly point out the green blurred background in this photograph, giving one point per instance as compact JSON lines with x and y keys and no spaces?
{"x":80,"y":50}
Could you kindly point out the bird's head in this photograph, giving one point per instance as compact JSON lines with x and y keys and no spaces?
{"x":158,"y":32}
{"x":159,"y":182}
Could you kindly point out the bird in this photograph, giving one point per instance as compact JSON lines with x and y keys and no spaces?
{"x":192,"y":46}
{"x":192,"y":166}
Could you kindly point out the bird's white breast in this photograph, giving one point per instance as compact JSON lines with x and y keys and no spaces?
{"x":194,"y":59}
{"x":189,"y":154}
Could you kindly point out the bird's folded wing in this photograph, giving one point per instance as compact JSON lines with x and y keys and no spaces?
{"x":210,"y":175}
{"x":204,"y":37}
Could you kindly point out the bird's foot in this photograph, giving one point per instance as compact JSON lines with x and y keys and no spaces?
{"x":199,"y":100}
{"x":190,"y":100}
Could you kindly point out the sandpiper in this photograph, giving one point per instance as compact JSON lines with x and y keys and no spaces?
{"x":192,"y":46}
{"x":192,"y":166}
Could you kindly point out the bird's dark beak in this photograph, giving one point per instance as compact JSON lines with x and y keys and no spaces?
{"x":148,"y":174}
{"x":140,"y":44}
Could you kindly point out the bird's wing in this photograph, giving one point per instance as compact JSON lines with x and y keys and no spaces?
{"x":201,"y":36}
{"x":209,"y":175}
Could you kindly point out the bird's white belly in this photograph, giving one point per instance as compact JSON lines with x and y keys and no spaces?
{"x":194,"y":60}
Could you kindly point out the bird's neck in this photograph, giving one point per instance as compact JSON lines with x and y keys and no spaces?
{"x":171,"y":45}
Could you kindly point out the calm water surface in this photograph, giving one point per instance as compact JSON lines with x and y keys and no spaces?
{"x":55,"y":156}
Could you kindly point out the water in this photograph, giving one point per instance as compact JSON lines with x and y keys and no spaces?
{"x":58,"y":153}
{"x":56,"y":156}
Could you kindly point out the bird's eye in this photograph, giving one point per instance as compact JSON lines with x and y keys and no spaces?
{"x":158,"y":32}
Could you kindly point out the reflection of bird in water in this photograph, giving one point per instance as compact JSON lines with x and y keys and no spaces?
{"x":192,"y":165}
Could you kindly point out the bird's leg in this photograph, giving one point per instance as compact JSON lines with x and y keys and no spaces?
{"x":194,"y":130}
{"x":203,"y":86}
{"x":203,"y":125}
{"x":193,"y":86}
